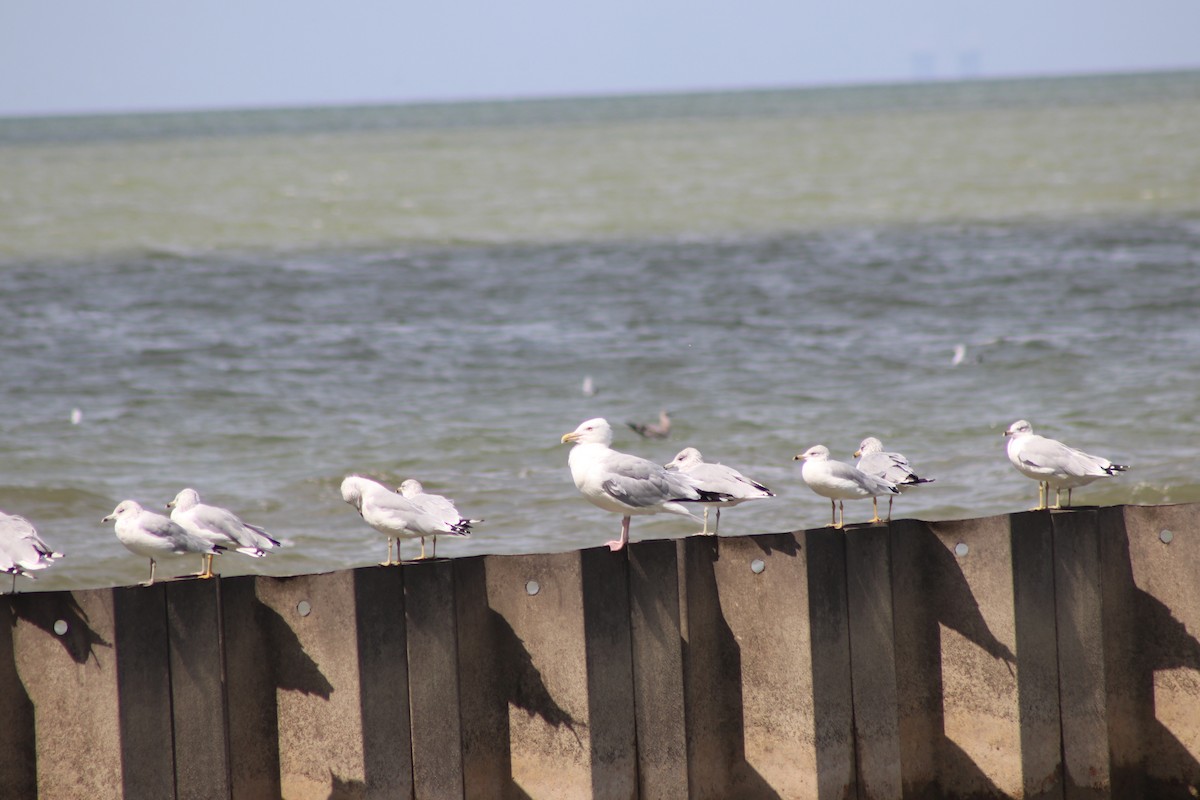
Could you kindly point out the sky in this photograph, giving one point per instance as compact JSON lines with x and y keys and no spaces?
{"x":83,"y":56}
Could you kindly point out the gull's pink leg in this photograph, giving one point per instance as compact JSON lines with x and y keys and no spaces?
{"x":617,"y":544}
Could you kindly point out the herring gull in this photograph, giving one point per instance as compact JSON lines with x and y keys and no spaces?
{"x":626,"y":484}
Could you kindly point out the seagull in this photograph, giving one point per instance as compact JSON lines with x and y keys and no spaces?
{"x":626,"y":484}
{"x":22,"y":551}
{"x":873,"y":460}
{"x":653,"y":430}
{"x":1053,"y":464}
{"x":150,"y":535}
{"x":717,"y":478}
{"x":394,"y":515}
{"x":839,"y":481}
{"x":442,"y":507}
{"x":219,"y":526}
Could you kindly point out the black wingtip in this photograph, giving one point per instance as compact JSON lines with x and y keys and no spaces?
{"x":1113,"y":469}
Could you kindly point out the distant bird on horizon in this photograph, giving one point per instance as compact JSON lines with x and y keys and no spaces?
{"x":840,"y":481}
{"x":719,"y":479}
{"x":625,"y":484}
{"x":893,"y":467}
{"x":441,"y":507}
{"x":219,"y":526}
{"x":152,"y":536}
{"x":1053,"y":464}
{"x":653,"y":430}
{"x":22,"y":551}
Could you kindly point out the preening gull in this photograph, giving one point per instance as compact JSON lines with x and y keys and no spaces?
{"x":892,"y":467}
{"x":653,"y":430}
{"x":22,"y":551}
{"x":626,"y":484}
{"x":152,"y":536}
{"x":441,"y":507}
{"x":839,"y":481}
{"x":719,"y":479}
{"x":1053,"y":464}
{"x":219,"y":526}
{"x":394,"y":515}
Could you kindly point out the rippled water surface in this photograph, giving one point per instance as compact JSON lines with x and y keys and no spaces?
{"x":256,"y":304}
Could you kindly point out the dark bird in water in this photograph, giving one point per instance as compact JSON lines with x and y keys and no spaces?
{"x":653,"y":430}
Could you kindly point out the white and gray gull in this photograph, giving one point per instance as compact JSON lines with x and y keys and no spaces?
{"x":625,"y":484}
{"x":22,"y":551}
{"x":894,"y":467}
{"x":436,"y":504}
{"x":1053,"y":464}
{"x":719,"y":479}
{"x":219,"y":526}
{"x":152,"y":536}
{"x":395,"y":516}
{"x":840,"y":481}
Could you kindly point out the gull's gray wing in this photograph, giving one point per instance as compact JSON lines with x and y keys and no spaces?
{"x":1050,"y":454}
{"x":641,"y":483}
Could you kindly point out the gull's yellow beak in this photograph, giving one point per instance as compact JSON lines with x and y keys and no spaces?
{"x":568,"y":437}
{"x":857,"y":453}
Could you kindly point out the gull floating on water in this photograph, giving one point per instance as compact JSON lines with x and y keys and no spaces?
{"x":151,"y":535}
{"x":22,"y":551}
{"x":719,"y":479}
{"x":219,"y":526}
{"x":441,"y":507}
{"x":626,"y":484}
{"x":653,"y":430}
{"x":394,"y":515}
{"x":1053,"y":464}
{"x":839,"y":481}
{"x":892,"y":467}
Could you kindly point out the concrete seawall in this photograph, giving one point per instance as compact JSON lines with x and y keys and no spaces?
{"x":1038,"y":654}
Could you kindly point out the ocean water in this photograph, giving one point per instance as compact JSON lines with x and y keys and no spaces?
{"x":257,"y":303}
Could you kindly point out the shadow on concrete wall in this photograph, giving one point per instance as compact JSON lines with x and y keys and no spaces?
{"x":340,"y":789}
{"x":939,"y":596}
{"x":712,"y":668}
{"x":18,"y":751}
{"x":44,"y":610}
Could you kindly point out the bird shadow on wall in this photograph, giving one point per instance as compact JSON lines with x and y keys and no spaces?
{"x":48,"y":609}
{"x":930,"y":591}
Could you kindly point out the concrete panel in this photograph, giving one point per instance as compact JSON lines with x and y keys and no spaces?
{"x":320,"y":723}
{"x":433,"y":680}
{"x":873,"y":662}
{"x":100,"y":691}
{"x":767,"y":666}
{"x":198,"y":689}
{"x":559,"y":617}
{"x":254,"y":636}
{"x":658,"y":670}
{"x":976,"y":666}
{"x":1082,"y":682}
{"x":1163,"y":553}
{"x":485,"y":642}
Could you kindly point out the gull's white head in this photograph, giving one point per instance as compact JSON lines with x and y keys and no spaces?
{"x":126,"y":508}
{"x":411,"y":487}
{"x":1019,"y":428}
{"x":868,"y":445}
{"x":687,"y":457}
{"x":187,"y":498}
{"x":352,"y":490}
{"x":594,"y":431}
{"x":818,"y":452}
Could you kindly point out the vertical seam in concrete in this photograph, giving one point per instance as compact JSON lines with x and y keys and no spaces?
{"x":224,"y":686}
{"x":166,"y":611}
{"x":637,"y":761}
{"x":858,"y":784}
{"x":1062,"y":734}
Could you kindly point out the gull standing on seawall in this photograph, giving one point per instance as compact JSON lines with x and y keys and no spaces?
{"x":893,"y":467}
{"x":441,"y":507}
{"x":839,"y":481}
{"x":219,"y":526}
{"x":22,"y":551}
{"x":152,"y":535}
{"x":719,"y":479}
{"x":626,"y":484}
{"x":394,"y":515}
{"x":1053,"y":464}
